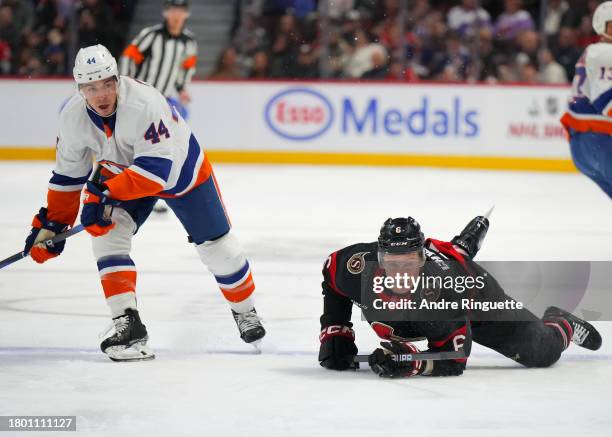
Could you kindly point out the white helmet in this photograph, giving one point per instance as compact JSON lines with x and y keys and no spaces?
{"x":94,"y":63}
{"x":602,"y":15}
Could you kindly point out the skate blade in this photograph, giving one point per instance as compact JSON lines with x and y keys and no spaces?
{"x":257,"y":346}
{"x":135,"y":352}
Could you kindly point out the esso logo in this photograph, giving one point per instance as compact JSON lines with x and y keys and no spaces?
{"x":299,"y":114}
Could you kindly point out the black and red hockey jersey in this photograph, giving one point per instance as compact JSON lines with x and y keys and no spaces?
{"x":349,"y":278}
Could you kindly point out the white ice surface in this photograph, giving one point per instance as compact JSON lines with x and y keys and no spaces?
{"x":206,"y":382}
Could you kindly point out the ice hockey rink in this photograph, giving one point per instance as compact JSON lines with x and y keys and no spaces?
{"x":206,"y":381}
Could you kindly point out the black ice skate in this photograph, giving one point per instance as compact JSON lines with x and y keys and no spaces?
{"x":585,"y":334}
{"x":129,"y":342}
{"x":249,"y":325}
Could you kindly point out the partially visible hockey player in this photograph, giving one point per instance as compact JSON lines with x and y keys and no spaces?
{"x":145,"y":150}
{"x":351,"y":273}
{"x":588,"y":119}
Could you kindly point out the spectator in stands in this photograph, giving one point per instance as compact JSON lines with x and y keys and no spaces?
{"x":8,"y":29}
{"x":467,"y":18}
{"x":506,"y":71}
{"x":98,"y":26}
{"x":489,"y":58}
{"x":360,"y":60}
{"x":307,"y":63}
{"x":586,"y":34}
{"x":528,"y":73}
{"x":513,"y":21}
{"x":23,"y":14}
{"x":551,"y":71}
{"x":285,"y":48}
{"x":566,"y":51}
{"x":528,"y":43}
{"x":227,"y":66}
{"x":260,"y":65}
{"x":453,"y":63}
{"x":558,"y":15}
{"x":380,"y":67}
{"x":434,"y":36}
{"x":55,"y":54}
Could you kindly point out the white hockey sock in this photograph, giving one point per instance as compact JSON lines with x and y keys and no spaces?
{"x":121,"y":302}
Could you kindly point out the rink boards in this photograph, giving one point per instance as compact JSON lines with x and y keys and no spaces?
{"x":346,"y":123}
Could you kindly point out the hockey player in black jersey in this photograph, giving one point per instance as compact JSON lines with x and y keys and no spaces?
{"x":397,"y":308}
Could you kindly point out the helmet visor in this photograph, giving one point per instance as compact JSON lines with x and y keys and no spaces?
{"x":401,"y":262}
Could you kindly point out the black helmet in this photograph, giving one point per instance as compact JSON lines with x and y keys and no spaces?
{"x":177,"y":3}
{"x":400,"y":235}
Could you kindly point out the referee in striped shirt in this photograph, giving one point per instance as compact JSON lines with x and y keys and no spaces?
{"x":164,"y":55}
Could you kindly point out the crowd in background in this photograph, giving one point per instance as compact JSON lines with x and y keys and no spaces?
{"x":444,"y":40}
{"x":410,"y":40}
{"x":36,"y":35}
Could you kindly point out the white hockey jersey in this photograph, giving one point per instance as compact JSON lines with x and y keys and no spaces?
{"x":590,"y":108}
{"x":145,"y":148}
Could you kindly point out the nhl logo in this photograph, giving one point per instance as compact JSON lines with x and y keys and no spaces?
{"x":356,"y":263}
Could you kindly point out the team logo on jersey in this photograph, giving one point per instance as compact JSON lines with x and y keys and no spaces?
{"x":356,"y":263}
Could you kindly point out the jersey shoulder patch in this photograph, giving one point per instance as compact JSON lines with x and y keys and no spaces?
{"x":356,"y":263}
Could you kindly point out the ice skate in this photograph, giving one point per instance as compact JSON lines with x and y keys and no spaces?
{"x":129,"y":342}
{"x":249,"y":325}
{"x":585,"y":335}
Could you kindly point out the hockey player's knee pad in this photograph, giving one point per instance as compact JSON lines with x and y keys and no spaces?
{"x":223,"y":256}
{"x":119,"y":240}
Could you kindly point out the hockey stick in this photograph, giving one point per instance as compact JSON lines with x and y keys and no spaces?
{"x":453,"y":355}
{"x":57,"y":239}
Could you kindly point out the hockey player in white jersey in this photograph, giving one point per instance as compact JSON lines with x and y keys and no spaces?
{"x":588,"y":119}
{"x":144,"y":150}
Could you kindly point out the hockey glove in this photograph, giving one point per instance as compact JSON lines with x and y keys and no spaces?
{"x":43,"y":230}
{"x":94,"y":215}
{"x":472,"y":235}
{"x":394,"y":360}
{"x":338,"y":348}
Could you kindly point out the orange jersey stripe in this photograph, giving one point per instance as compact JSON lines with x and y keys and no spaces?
{"x":588,"y":125}
{"x":240,"y":293}
{"x":134,"y":53}
{"x":130,"y":185}
{"x":63,"y":206}
{"x":190,"y":62}
{"x":118,"y":282}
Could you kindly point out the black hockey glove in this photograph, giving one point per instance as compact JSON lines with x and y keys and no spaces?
{"x":472,"y":235}
{"x":337,"y":348}
{"x":392,"y":361}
